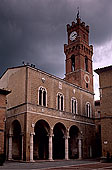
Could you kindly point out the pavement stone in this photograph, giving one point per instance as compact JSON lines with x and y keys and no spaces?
{"x":58,"y":165}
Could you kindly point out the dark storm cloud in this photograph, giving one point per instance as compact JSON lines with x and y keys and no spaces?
{"x":34,"y":31}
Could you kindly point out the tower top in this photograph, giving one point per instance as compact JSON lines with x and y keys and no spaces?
{"x":78,"y":23}
{"x":79,"y":55}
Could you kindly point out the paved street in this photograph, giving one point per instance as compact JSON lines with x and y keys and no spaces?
{"x":58,"y":165}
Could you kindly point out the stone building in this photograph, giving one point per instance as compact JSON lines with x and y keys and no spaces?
{"x":3,"y":94}
{"x":105,"y":80}
{"x":48,"y":117}
{"x":98,"y":128}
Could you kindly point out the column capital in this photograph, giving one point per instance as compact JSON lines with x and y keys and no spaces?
{"x":33,"y":125}
{"x":50,"y":133}
{"x":66,"y":136}
{"x":10,"y":135}
{"x":32,"y":133}
{"x":80,"y":138}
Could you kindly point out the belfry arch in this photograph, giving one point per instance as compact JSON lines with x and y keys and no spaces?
{"x":41,"y":140}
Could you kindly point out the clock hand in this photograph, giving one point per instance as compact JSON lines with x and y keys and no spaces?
{"x":73,"y":35}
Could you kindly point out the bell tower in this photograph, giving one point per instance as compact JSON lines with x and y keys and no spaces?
{"x":79,"y":53}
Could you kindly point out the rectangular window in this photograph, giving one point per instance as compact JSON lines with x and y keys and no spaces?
{"x":44,"y":98}
{"x":40,"y":97}
{"x":73,"y":62}
{"x":75,"y":106}
{"x":86,"y":63}
{"x":58,"y":102}
{"x":87,"y":109}
{"x":61,"y":102}
{"x":86,"y":85}
{"x":72,"y":105}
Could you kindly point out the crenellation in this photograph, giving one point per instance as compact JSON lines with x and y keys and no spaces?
{"x":83,"y":24}
{"x":87,"y":28}
{"x":73,"y":24}
{"x":68,"y":27}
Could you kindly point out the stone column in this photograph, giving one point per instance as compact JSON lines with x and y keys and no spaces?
{"x":80,"y":148}
{"x":66,"y":147}
{"x":50,"y":145}
{"x":22,"y":134}
{"x":10,"y":147}
{"x":31,"y":147}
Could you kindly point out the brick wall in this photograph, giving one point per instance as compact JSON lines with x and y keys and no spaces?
{"x":105,"y":78}
{"x":2,"y":120}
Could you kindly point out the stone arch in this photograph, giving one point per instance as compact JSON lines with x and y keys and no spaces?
{"x":41,"y":139}
{"x":15,"y":134}
{"x":59,"y":132}
{"x":10,"y":127}
{"x":73,"y":142}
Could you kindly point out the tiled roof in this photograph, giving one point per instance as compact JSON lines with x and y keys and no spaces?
{"x":103,"y":69}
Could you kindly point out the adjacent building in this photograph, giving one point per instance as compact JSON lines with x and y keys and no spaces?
{"x":3,"y":94}
{"x":105,"y":80}
{"x":98,"y":128}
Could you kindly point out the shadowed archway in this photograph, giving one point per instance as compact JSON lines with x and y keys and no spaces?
{"x":41,"y":140}
{"x":59,"y":141}
{"x":73,"y":142}
{"x":16,"y":140}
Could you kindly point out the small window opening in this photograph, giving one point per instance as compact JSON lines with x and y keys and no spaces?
{"x":58,"y":102}
{"x":86,"y":63}
{"x":61,"y":102}
{"x":86,"y":85}
{"x":73,"y":62}
{"x":44,"y":98}
{"x":40,"y":97}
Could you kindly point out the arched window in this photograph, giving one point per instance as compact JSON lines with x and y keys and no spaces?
{"x":86,"y":63}
{"x":88,"y":109}
{"x":73,"y":62}
{"x":42,"y":96}
{"x":60,"y":101}
{"x":74,"y":105}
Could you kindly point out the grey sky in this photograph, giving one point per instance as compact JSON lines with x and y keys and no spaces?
{"x":34,"y":31}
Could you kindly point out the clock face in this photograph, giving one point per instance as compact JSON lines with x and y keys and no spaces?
{"x":73,"y":35}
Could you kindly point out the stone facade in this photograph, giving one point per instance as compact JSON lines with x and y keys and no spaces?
{"x":3,"y":94}
{"x":48,"y":117}
{"x":98,"y":128}
{"x":105,"y":80}
{"x":28,"y":112}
